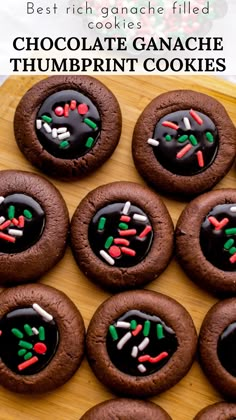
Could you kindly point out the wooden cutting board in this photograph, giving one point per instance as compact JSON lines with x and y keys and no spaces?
{"x":83,"y":391}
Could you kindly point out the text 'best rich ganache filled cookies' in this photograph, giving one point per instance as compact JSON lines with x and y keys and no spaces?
{"x":184,"y":142}
{"x":122,"y":235}
{"x":41,"y":338}
{"x":141,"y":343}
{"x":68,"y":126}
{"x":34,"y":225}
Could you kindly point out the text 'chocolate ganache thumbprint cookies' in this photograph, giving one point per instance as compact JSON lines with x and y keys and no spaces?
{"x":126,"y":409}
{"x":218,"y":411}
{"x":206,"y":241}
{"x":217,"y":346}
{"x":34,"y":226}
{"x":68,"y":126}
{"x":41,"y":338}
{"x":184,"y":142}
{"x":141,"y":343}
{"x":122,"y":235}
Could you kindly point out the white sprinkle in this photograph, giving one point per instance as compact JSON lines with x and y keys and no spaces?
{"x":62,"y":130}
{"x":35,"y":331}
{"x":2,"y":220}
{"x":144,"y":344}
{"x":141,"y":368}
{"x":45,"y":315}
{"x":124,"y":340}
{"x":54,"y":133}
{"x":107,"y":257}
{"x":1,"y":200}
{"x":38,"y":124}
{"x":233,"y":209}
{"x":122,"y":324}
{"x":126,"y":207}
{"x":134,"y":352}
{"x":153,"y":142}
{"x":64,"y":136}
{"x":15,"y":232}
{"x":139,"y":217}
{"x":47,"y":128}
{"x":187,"y":123}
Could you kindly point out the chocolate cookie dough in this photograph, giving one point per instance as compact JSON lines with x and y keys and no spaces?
{"x":184,"y":142}
{"x":218,"y":411}
{"x":122,"y":235}
{"x":206,"y":241}
{"x":33,"y":218}
{"x":141,"y":343}
{"x":217,"y":346}
{"x":123,"y":409}
{"x":41,"y":338}
{"x":68,"y":126}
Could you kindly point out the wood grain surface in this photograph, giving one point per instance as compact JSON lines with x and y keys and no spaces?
{"x":83,"y":391}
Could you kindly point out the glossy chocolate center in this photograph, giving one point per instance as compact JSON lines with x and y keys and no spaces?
{"x":218,"y":237}
{"x":226,"y":349}
{"x":185,"y":142}
{"x":27,"y":341}
{"x":140,"y":344}
{"x":22,"y":222}
{"x":120,"y":234}
{"x":68,"y":124}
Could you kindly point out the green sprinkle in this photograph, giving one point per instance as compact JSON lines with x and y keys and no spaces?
{"x":46,"y":119}
{"x":17,"y":333}
{"x":28,"y":330}
{"x":90,"y":123}
{"x":64,"y":144}
{"x":11,"y":212}
{"x":193,"y":140}
{"x":113,"y":332}
{"x":209,"y":137}
{"x":21,"y":352}
{"x":182,"y":139}
{"x":28,"y":355}
{"x":160,"y":333}
{"x":41,"y":333}
{"x":27,"y":214}
{"x":123,"y":226}
{"x":231,"y":231}
{"x":25,"y":344}
{"x":108,"y":242}
{"x":133,"y":324}
{"x":101,"y":223}
{"x":146,"y":328}
{"x":232,"y":250}
{"x":168,"y":137}
{"x":228,"y":244}
{"x":89,"y":142}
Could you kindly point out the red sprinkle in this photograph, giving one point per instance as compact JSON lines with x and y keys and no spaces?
{"x":7,"y":237}
{"x":125,"y":218}
{"x":196,"y":117}
{"x":128,"y":232}
{"x":128,"y":251}
{"x":0,"y":333}
{"x":21,"y":221}
{"x":114,"y":251}
{"x":29,"y":362}
{"x":170,"y":125}
{"x":82,"y":109}
{"x":137,"y":330}
{"x":40,"y":348}
{"x":200,"y":159}
{"x":147,"y":358}
{"x":5,"y":224}
{"x":145,"y":231}
{"x":233,"y":258}
{"x":218,"y":225}
{"x":73,"y":105}
{"x":183,"y":151}
{"x":121,"y":241}
{"x":15,"y":221}
{"x":59,"y":111}
{"x":66,"y":110}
